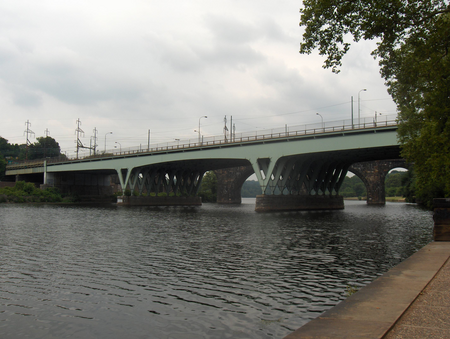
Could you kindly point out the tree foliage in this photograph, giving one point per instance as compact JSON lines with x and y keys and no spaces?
{"x":44,"y":147}
{"x":10,"y":150}
{"x":413,"y":40}
{"x":250,"y":189}
{"x":2,"y":166}
{"x":208,"y":187}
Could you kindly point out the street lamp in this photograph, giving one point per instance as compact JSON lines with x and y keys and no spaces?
{"x":322,"y":119}
{"x":375,"y":120}
{"x":105,"y":140}
{"x":120,"y":146}
{"x":178,"y":142}
{"x":199,"y":135}
{"x":359,"y":105}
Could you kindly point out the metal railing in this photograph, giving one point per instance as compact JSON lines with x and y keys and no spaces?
{"x":213,"y":141}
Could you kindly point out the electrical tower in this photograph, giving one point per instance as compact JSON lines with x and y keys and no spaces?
{"x":46,"y":132}
{"x":28,"y":132}
{"x":94,"y":146}
{"x":225,"y":128}
{"x":79,"y":132}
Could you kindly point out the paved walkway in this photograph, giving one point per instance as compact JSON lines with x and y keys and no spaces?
{"x":412,"y":300}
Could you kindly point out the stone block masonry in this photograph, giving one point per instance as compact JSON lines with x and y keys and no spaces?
{"x":441,"y":219}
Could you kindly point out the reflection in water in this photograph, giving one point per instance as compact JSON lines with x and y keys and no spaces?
{"x":209,"y":272}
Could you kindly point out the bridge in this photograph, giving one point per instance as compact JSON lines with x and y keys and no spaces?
{"x":297,"y":168}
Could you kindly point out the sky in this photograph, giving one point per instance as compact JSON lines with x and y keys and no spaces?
{"x":140,"y":68}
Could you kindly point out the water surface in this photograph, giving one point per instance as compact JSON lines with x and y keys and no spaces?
{"x":207,"y":272}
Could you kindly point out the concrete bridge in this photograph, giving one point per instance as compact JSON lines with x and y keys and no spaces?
{"x":296,"y":169}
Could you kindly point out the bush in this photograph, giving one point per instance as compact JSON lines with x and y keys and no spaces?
{"x":29,"y":188}
{"x":27,"y":192}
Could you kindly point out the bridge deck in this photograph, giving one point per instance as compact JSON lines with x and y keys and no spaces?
{"x":263,"y":138}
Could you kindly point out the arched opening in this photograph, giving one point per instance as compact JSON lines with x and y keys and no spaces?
{"x":353,"y":186}
{"x":395,"y":184}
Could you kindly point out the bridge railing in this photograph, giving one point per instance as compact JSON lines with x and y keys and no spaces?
{"x":267,"y":134}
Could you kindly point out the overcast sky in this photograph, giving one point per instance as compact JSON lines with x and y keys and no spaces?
{"x":132,"y":66}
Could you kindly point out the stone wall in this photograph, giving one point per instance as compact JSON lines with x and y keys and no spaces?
{"x":229,"y":183}
{"x":441,"y":219}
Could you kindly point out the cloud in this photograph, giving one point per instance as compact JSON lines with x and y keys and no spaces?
{"x":140,"y":65}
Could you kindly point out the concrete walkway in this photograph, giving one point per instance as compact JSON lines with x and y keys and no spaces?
{"x":412,"y":300}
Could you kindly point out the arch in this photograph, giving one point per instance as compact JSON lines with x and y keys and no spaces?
{"x":373,"y":175}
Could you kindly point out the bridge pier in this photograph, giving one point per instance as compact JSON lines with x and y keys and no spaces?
{"x":373,"y":175}
{"x":229,"y":183}
{"x":86,"y":186}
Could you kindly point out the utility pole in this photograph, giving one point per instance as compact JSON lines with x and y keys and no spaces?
{"x":28,"y":131}
{"x":225,"y":128}
{"x":95,"y":140}
{"x":79,"y":132}
{"x":46,"y":132}
{"x":352,"y":112}
{"x":231,"y":128}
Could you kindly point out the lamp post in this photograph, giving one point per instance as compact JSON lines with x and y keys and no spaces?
{"x":120,"y":146}
{"x":199,"y":135}
{"x":178,"y":142}
{"x":375,"y":120}
{"x":322,"y":120}
{"x":105,"y":141}
{"x":359,"y":105}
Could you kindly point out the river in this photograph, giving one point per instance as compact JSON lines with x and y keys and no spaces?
{"x":71,"y":271}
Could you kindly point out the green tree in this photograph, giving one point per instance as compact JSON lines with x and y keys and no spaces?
{"x":2,"y":166}
{"x":44,"y":147}
{"x":9,"y":150}
{"x":208,"y":187}
{"x":409,"y":184}
{"x":250,"y":189}
{"x":413,"y":43}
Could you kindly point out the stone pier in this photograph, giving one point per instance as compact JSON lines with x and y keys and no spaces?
{"x":441,"y":219}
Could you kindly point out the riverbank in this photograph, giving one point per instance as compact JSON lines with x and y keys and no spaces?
{"x":411,"y":300}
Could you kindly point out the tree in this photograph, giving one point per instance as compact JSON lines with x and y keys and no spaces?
{"x":413,"y":50}
{"x":9,"y":150}
{"x":250,"y":189}
{"x":208,"y":187}
{"x":2,"y":166}
{"x":44,"y":147}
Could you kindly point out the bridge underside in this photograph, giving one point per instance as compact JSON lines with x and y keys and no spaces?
{"x":177,"y":178}
{"x":310,"y":175}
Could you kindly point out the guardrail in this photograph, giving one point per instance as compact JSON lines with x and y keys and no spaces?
{"x":246,"y":137}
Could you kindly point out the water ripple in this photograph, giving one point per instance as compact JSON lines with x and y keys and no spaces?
{"x":210,"y":272}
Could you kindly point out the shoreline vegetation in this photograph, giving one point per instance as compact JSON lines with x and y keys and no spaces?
{"x":27,"y":192}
